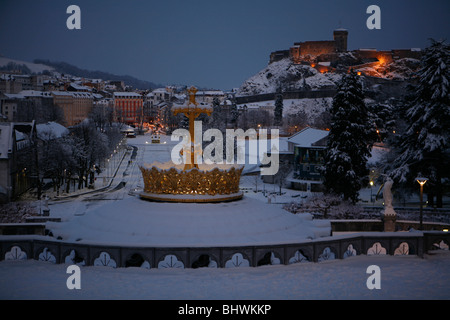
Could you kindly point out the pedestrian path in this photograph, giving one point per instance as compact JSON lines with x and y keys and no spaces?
{"x":110,"y":178}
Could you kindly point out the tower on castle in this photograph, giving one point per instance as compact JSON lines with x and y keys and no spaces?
{"x":340,"y":39}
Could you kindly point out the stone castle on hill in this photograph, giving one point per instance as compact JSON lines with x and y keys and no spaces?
{"x":328,"y":54}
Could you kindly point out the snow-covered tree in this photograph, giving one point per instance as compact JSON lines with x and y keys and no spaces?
{"x":91,"y":147}
{"x":424,"y":146}
{"x":234,"y":114}
{"x":278,"y":112}
{"x":349,"y":141}
{"x":382,"y":117}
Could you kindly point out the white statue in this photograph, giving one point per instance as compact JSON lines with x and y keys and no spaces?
{"x":387,"y":196}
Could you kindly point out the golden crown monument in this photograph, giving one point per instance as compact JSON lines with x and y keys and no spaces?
{"x":191,"y":182}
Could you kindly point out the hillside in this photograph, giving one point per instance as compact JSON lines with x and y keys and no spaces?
{"x":288,"y":76}
{"x":23,"y":66}
{"x":293,"y":77}
{"x":66,"y":68}
{"x":39,"y":66}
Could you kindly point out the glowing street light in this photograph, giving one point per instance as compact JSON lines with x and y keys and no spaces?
{"x":421,"y":181}
{"x":371,"y":196}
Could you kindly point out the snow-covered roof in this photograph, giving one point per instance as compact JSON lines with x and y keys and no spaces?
{"x":34,"y":93}
{"x":80,"y":87}
{"x":307,"y":137}
{"x":160,"y":90}
{"x":61,"y":93}
{"x":13,"y":96}
{"x":127,"y":94}
{"x":51,"y":130}
{"x":73,"y":94}
{"x":8,"y":131}
{"x":97,"y":96}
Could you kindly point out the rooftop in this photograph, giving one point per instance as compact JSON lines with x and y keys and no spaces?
{"x":127,"y":94}
{"x":308,"y":137}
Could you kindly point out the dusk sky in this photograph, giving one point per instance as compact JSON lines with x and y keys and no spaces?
{"x":207,"y":43}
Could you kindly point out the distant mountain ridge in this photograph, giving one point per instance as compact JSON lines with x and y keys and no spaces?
{"x":66,"y":68}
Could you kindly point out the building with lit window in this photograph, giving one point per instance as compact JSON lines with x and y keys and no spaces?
{"x":128,"y":108}
{"x":308,"y":147}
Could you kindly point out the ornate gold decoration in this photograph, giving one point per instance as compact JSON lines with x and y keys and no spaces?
{"x":192,"y":91}
{"x":192,"y":113}
{"x":191,"y":182}
{"x":164,"y":182}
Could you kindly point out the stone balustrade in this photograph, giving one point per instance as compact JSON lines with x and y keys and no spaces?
{"x":336,"y":247}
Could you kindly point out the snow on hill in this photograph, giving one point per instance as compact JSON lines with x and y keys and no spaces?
{"x":308,"y":108}
{"x":289,"y":76}
{"x":292,"y":77}
{"x":34,"y":68}
{"x":396,"y":70}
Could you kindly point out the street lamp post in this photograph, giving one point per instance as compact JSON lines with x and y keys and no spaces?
{"x":371,"y":196}
{"x":421,"y":181}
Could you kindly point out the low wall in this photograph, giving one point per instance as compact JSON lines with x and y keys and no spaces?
{"x":336,"y":247}
{"x":22,"y":228}
{"x":364,"y":225}
{"x":301,"y":94}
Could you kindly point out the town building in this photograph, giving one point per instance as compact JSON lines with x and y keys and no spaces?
{"x":17,"y":158}
{"x":75,"y":106}
{"x":129,"y":108}
{"x":9,"y":85}
{"x":208,"y":96}
{"x":308,"y":149}
{"x":313,"y":48}
{"x":14,"y":83}
{"x":27,"y":105}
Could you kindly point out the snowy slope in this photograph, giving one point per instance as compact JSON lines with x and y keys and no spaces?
{"x":288,"y":75}
{"x":35,"y":68}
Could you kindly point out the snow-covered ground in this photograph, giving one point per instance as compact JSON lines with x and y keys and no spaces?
{"x":121,"y":217}
{"x":402,"y":277}
{"x":134,"y":221}
{"x":118,"y":215}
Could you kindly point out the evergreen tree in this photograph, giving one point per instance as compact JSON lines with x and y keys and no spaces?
{"x":234,"y":114}
{"x":278,"y":112}
{"x":382,"y":117}
{"x":217,"y":120}
{"x":349,"y":142}
{"x":424,"y":146}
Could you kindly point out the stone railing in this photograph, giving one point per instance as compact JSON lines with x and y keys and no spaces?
{"x":336,"y":247}
{"x":441,"y":215}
